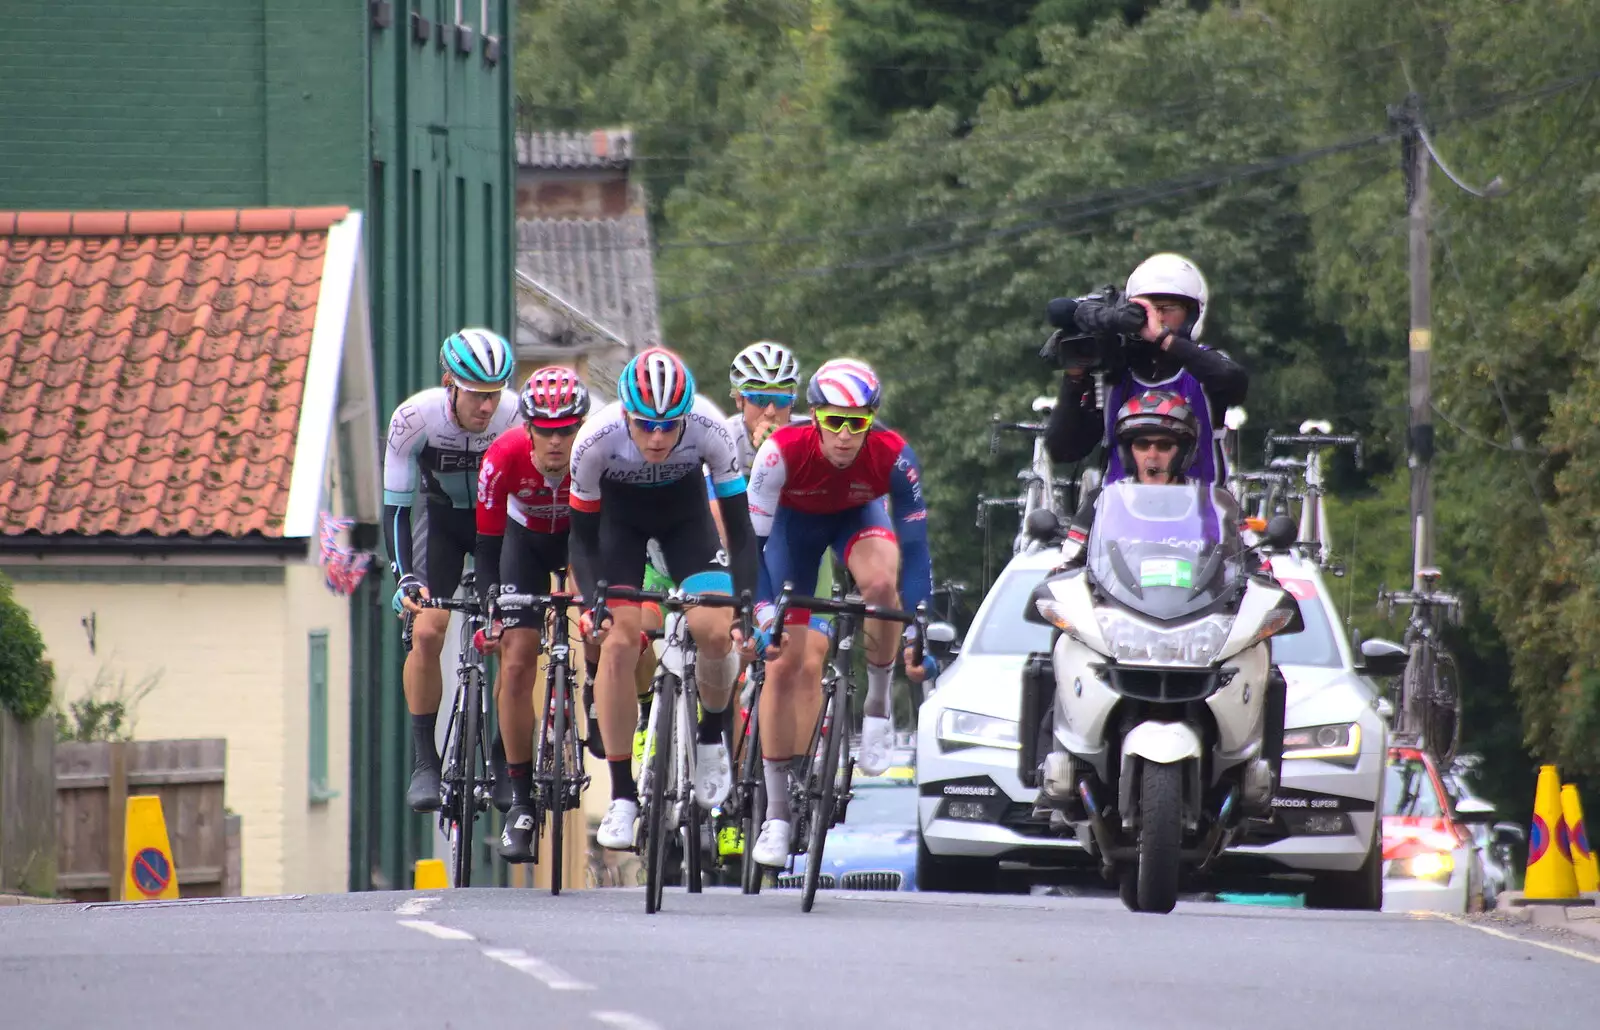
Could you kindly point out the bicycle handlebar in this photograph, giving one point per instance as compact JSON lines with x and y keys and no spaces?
{"x":674,"y":601}
{"x":857,"y":607}
{"x":1318,"y":440}
{"x":996,"y":425}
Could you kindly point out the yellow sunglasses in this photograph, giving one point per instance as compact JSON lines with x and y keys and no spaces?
{"x":835,"y":422}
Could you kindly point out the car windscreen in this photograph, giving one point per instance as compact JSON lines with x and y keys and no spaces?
{"x":1002,"y":630}
{"x":885,"y":806}
{"x":1314,"y":645}
{"x":1409,"y":790}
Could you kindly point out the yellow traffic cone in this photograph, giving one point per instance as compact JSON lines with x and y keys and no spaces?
{"x":1584,"y":865}
{"x":1550,"y":878}
{"x":151,"y":874}
{"x":429,"y":875}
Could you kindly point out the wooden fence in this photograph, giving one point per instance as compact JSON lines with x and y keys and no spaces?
{"x":27,"y":843}
{"x":93,"y":782}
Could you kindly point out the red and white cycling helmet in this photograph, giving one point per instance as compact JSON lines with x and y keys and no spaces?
{"x":554,"y":397}
{"x":845,"y":383}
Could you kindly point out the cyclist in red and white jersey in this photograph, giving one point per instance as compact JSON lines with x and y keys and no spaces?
{"x":523,"y":514}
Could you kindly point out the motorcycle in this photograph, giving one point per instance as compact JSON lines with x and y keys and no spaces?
{"x":1155,"y":686}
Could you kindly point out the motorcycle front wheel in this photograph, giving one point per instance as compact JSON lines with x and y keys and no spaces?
{"x":1160,"y":836}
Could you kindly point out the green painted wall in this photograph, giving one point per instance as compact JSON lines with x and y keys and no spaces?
{"x":162,"y":104}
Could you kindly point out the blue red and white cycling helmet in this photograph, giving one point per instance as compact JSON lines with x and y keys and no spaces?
{"x":845,"y":383}
{"x":478,"y":360}
{"x":656,"y":385}
{"x":554,"y":397}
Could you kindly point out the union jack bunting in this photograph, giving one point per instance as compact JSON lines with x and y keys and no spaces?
{"x":342,"y":568}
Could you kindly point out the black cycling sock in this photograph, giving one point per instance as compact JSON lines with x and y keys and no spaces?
{"x":622,"y":785}
{"x":422,"y":745}
{"x":521,"y":775}
{"x":711,"y":724}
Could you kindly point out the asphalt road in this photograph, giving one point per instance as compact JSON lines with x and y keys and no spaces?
{"x":520,"y":958}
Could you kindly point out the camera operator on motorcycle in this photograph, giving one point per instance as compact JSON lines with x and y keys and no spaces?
{"x":1142,"y":338}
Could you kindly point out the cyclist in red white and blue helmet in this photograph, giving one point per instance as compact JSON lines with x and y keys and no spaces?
{"x":639,"y":474}
{"x":817,"y":486}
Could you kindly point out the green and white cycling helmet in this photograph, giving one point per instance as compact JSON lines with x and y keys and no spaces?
{"x":762,"y":365}
{"x":478,"y":359}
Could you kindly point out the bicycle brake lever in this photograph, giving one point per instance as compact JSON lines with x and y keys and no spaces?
{"x":746,"y":621}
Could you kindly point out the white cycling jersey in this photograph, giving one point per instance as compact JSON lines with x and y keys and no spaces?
{"x":604,"y":452}
{"x":427,"y":449}
{"x":741,"y":437}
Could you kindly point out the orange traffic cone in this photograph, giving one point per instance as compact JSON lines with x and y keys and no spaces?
{"x":1550,"y":879}
{"x":1583,"y":860}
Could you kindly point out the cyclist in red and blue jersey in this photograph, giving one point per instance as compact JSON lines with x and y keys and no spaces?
{"x":524,"y":509}
{"x":815,"y":487}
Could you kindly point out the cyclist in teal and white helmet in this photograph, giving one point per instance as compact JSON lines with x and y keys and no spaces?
{"x":765,"y":378}
{"x":435,"y":444}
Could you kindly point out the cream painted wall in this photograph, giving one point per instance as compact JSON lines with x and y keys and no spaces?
{"x":219,"y":650}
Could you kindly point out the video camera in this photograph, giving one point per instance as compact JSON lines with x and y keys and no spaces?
{"x":1090,"y":330}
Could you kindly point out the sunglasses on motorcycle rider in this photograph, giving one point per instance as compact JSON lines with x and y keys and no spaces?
{"x":762,"y":398}
{"x":834,"y":422}
{"x":1161,"y":444}
{"x":656,"y":425}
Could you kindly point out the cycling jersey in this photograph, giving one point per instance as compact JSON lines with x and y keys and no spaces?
{"x":620,"y":501}
{"x":428,"y":457}
{"x":522,"y":522}
{"x":741,"y":436}
{"x":801,"y":504}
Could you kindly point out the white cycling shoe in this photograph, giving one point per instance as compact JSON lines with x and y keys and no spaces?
{"x":713,"y":774}
{"x":772,"y":847}
{"x":616,"y":829}
{"x":877,"y":745}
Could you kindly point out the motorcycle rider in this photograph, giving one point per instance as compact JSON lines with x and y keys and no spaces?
{"x":1166,"y":355}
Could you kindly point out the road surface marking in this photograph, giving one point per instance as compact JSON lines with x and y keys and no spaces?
{"x":553,"y":977}
{"x":1569,"y":952}
{"x":625,"y":1021}
{"x":416,"y":906}
{"x":444,"y":933}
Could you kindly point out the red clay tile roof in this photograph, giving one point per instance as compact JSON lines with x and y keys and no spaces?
{"x":154,"y":363}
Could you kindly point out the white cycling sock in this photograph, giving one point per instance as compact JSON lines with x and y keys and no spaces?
{"x":877,"y":702}
{"x":777,"y":776}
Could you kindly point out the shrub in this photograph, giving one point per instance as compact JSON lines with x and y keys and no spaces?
{"x":26,"y":678}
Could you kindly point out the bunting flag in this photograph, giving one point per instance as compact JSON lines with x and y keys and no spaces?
{"x":342,"y":567}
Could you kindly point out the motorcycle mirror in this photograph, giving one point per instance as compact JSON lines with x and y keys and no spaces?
{"x":1281,"y":531}
{"x":1042,"y":525}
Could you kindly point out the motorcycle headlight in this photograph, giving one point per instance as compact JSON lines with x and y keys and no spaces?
{"x":1138,"y":642}
{"x":958,"y":729}
{"x":1338,"y":742}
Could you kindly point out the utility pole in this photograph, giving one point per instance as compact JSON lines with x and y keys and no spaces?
{"x":1415,"y":158}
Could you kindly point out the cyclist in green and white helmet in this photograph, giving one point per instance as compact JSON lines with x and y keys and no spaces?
{"x":766,"y":379}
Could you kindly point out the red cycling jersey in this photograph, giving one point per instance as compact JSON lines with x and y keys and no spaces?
{"x":791,"y":471}
{"x":510,"y":484}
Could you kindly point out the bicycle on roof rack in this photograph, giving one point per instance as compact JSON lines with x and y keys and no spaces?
{"x":1041,"y":488}
{"x":1429,"y":713}
{"x":1289,"y":478}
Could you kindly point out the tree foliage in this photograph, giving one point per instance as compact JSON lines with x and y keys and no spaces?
{"x":838,"y":192}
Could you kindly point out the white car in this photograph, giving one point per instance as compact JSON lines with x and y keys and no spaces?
{"x":1327,"y":821}
{"x":974,"y":811}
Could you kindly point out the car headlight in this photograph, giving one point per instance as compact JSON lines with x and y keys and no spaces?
{"x":1338,"y":742}
{"x":958,"y":729}
{"x":1138,"y":642}
{"x":1425,"y":865}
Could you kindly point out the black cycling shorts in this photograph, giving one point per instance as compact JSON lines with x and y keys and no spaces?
{"x":678,"y":518}
{"x":441,"y":538}
{"x":528,"y":560}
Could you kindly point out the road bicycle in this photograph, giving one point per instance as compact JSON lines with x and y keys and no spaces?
{"x":559,"y":778}
{"x":1429,"y":713}
{"x":464,"y":781}
{"x":667,"y":806}
{"x":822,"y":789}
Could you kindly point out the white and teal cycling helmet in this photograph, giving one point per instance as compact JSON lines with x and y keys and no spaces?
{"x":478,"y":360}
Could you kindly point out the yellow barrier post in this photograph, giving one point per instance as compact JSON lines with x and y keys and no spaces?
{"x":1584,"y":865}
{"x":429,"y":875}
{"x":150,"y":874}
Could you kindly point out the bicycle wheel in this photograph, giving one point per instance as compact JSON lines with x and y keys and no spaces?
{"x":753,"y":791}
{"x":560,"y":691}
{"x":657,"y":825}
{"x":692,"y":815}
{"x":824,"y":787}
{"x":1444,"y":712}
{"x":464,"y":781}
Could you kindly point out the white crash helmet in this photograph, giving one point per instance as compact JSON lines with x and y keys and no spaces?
{"x":764,"y":364}
{"x":1172,"y":275}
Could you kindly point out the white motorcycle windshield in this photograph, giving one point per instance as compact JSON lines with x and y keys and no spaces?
{"x":1166,"y":552}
